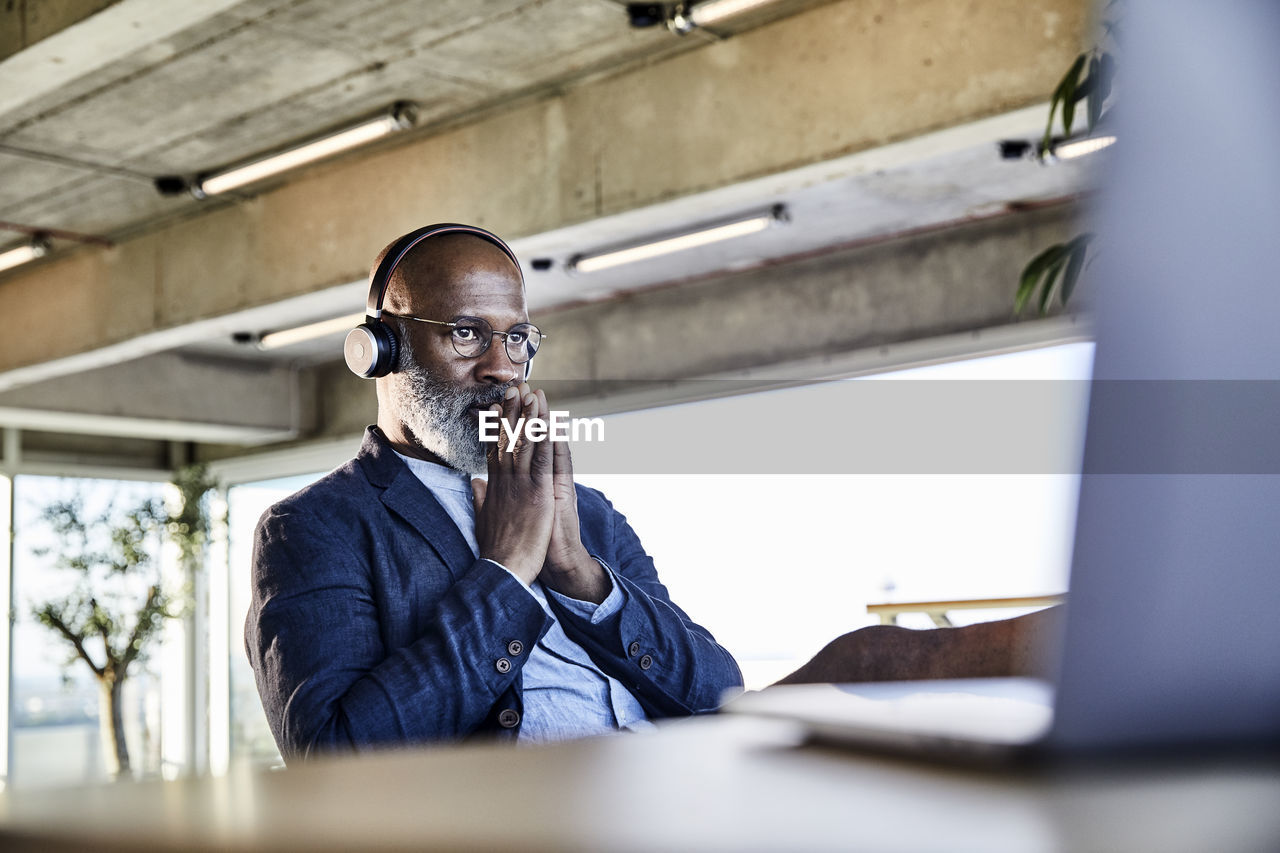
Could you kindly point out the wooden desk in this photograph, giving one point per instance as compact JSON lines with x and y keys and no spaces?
{"x":707,"y":784}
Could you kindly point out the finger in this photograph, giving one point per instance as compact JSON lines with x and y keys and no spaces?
{"x":525,"y":401}
{"x":562,"y":463}
{"x":540,"y":465}
{"x":478,"y":488}
{"x":510,"y":414}
{"x":561,"y":459}
{"x":509,"y":402}
{"x":493,"y":455}
{"x":524,"y":453}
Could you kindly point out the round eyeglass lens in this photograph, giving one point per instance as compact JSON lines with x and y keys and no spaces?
{"x":522,"y":342}
{"x":471,"y":336}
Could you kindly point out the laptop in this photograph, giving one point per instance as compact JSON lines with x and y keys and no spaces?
{"x":1172,"y":629}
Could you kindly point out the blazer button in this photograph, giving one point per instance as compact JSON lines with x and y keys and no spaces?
{"x":502,"y":665}
{"x":633,"y":649}
{"x":646,"y":661}
{"x":509,"y":718}
{"x":514,"y":648}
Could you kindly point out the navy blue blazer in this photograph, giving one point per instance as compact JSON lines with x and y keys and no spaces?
{"x":371,"y":623}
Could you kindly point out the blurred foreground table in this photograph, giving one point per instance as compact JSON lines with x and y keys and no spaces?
{"x":704,"y":784}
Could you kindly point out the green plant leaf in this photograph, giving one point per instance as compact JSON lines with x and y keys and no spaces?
{"x":1054,"y":100}
{"x":1095,"y":94}
{"x":1069,"y":84}
{"x":1084,"y":89}
{"x":1032,"y":272}
{"x":1106,"y":75}
{"x":1048,"y":130}
{"x":1050,"y":279}
{"x":1078,"y":249}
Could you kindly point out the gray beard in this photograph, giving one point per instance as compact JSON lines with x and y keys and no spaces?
{"x":437,"y":414}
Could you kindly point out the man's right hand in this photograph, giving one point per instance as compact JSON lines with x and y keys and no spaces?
{"x":515,"y":510}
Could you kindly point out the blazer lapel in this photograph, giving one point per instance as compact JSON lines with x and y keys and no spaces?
{"x":412,"y":501}
{"x":405,"y":496}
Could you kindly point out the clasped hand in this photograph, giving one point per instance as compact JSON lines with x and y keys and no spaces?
{"x":527,"y":513}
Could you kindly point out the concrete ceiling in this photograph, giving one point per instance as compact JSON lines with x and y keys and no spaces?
{"x":92,"y":114}
{"x":96,"y":104}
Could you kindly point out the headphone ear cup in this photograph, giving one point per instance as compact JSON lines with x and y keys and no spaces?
{"x":389,"y":352}
{"x":371,"y":349}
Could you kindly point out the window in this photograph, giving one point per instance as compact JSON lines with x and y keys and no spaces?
{"x":777,"y":565}
{"x":250,"y":738}
{"x":55,"y":710}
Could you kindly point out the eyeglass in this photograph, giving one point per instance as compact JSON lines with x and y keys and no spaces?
{"x":472,"y":336}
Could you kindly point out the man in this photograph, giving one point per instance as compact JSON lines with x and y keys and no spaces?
{"x":395,"y":602}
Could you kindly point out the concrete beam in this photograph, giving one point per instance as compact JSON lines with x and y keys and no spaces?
{"x":895,"y":304}
{"x":949,"y":282}
{"x":45,"y":44}
{"x":67,"y":455}
{"x":840,"y":78}
{"x":25,"y":22}
{"x":168,"y":397}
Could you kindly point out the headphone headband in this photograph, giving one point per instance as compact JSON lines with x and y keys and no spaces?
{"x":371,"y":349}
{"x":382,"y":276}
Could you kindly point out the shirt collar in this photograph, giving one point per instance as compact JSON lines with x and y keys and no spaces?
{"x":436,"y":476}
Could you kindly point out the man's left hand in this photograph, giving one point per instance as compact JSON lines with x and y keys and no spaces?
{"x":569,"y":569}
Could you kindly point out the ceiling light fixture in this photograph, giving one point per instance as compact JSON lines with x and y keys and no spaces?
{"x":401,"y":116}
{"x":1059,"y":148}
{"x":310,"y":331}
{"x":37,"y":248}
{"x":701,"y":236}
{"x":1080,"y":147}
{"x":683,"y":18}
{"x":686,"y":17}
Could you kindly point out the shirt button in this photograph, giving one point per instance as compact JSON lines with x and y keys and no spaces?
{"x":646,"y":661}
{"x":633,"y":649}
{"x":502,"y":665}
{"x":509,"y":718}
{"x":514,"y":648}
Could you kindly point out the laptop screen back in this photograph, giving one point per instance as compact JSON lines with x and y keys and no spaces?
{"x":1173,"y":629}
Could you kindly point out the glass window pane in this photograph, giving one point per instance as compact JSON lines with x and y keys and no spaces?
{"x":56,"y":698}
{"x":776,"y":566}
{"x":6,"y":527}
{"x":251,"y":738}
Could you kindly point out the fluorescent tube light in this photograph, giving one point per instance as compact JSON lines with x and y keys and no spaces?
{"x":684,"y":18}
{"x":401,"y":116}
{"x":298,"y":334}
{"x":712,"y":12}
{"x":741,"y":227}
{"x":23,"y":254}
{"x":1081,"y":147}
{"x":1059,"y":148}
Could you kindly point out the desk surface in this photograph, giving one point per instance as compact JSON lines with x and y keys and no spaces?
{"x":705,"y":784}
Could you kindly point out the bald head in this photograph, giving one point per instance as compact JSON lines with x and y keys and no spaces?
{"x":440,"y":262}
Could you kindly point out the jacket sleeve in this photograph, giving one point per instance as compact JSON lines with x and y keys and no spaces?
{"x":327,"y":681}
{"x":672,"y":665}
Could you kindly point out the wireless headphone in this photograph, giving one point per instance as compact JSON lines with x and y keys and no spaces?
{"x":371,"y":348}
